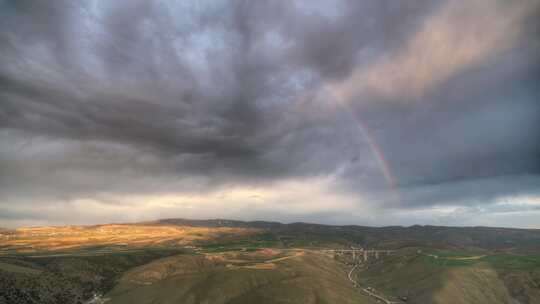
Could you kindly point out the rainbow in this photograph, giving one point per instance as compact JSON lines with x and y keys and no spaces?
{"x":364,"y":130}
{"x":374,"y":147}
{"x":377,"y":152}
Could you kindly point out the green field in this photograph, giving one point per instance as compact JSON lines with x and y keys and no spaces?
{"x":495,"y":260}
{"x":513,"y":261}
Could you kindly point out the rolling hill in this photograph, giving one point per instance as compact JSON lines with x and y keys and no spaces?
{"x":226,"y":261}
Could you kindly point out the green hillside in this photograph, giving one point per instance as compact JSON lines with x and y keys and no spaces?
{"x":455,"y":277}
{"x":307,"y":278}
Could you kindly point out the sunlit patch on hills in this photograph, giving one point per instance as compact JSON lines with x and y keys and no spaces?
{"x":37,"y":239}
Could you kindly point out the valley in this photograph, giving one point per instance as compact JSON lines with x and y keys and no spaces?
{"x":220,"y":261}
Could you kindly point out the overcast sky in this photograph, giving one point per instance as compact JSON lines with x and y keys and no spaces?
{"x":368,"y":112}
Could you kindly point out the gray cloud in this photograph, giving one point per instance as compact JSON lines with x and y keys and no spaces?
{"x":104,"y":99}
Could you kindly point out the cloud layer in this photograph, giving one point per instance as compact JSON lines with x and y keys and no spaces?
{"x":369,"y":112}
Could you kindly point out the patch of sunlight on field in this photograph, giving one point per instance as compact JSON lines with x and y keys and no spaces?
{"x":75,"y":237}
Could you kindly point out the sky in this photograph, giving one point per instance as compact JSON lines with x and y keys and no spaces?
{"x":372,"y":112}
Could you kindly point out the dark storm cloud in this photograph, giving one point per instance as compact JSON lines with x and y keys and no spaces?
{"x":148,"y":92}
{"x":155,"y":97}
{"x":464,"y":131}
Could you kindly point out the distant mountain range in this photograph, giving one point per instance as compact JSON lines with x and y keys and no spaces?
{"x":481,"y":237}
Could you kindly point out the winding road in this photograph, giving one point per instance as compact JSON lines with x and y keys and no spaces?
{"x":367,"y":291}
{"x":350,"y":273}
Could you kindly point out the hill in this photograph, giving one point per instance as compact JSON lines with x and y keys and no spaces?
{"x":112,"y":237}
{"x":270,"y":276}
{"x":435,"y":276}
{"x":226,"y":261}
{"x":460,"y":237}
